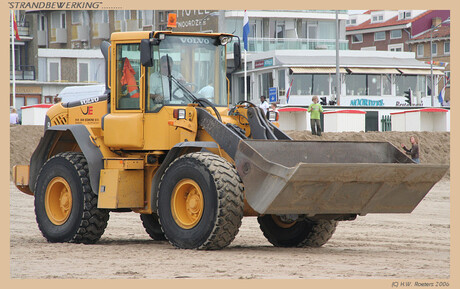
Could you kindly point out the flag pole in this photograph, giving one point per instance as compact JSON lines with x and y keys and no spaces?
{"x":245,"y":76}
{"x":13,"y":61}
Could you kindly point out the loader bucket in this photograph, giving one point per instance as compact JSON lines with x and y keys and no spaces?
{"x":320,"y":177}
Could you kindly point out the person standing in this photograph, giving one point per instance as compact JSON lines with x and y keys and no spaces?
{"x":273,"y":107}
{"x":264,"y":104}
{"x":414,"y":150}
{"x":14,"y":117}
{"x":315,"y":110}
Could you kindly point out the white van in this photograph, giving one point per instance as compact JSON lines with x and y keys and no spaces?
{"x":73,"y":93}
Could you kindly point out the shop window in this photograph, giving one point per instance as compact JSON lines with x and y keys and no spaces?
{"x":266,"y":81}
{"x":321,"y":84}
{"x":417,"y":83}
{"x":356,"y":84}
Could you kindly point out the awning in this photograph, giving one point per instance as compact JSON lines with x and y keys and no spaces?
{"x":313,"y":70}
{"x":420,"y":71}
{"x":365,"y":70}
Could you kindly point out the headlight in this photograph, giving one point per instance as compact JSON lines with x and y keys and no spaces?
{"x":224,"y":40}
{"x":179,"y":113}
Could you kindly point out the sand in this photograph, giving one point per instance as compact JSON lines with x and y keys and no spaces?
{"x":390,"y":246}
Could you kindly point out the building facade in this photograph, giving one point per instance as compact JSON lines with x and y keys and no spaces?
{"x":367,"y":78}
{"x":439,"y":37}
{"x":62,"y":48}
{"x":388,"y":30}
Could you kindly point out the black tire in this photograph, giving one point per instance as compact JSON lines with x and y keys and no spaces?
{"x":303,"y":233}
{"x":85,"y":223}
{"x":153,"y":227}
{"x":222,"y":207}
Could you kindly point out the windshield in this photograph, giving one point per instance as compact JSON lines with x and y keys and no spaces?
{"x":196,"y":65}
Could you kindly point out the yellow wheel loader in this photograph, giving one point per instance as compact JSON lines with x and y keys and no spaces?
{"x":163,"y":142}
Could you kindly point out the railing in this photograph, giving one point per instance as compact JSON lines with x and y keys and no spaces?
{"x":24,"y":72}
{"x":270,"y":44}
{"x":386,"y":122}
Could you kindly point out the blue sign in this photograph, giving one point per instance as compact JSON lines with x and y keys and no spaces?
{"x":272,"y":94}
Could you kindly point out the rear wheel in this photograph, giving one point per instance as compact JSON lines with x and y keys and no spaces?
{"x":152,"y":226}
{"x":200,"y":202}
{"x":303,"y":233}
{"x":65,"y":205}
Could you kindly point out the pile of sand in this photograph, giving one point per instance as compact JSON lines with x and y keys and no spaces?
{"x":434,"y":146}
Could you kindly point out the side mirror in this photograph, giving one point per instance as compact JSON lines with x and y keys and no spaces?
{"x":237,"y":55}
{"x":146,"y":53}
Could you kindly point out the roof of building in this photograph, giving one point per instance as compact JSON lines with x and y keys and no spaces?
{"x":391,"y":22}
{"x":441,"y":32}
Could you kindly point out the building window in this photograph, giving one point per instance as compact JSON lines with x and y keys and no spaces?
{"x":434,"y":49}
{"x":353,"y":21}
{"x":58,"y":20}
{"x":356,"y":84}
{"x":54,"y":70}
{"x":447,"y":47}
{"x":266,"y":81}
{"x":281,"y":82}
{"x":405,"y":15}
{"x":83,"y":71}
{"x":162,"y":16}
{"x":379,"y":36}
{"x":377,"y":18}
{"x":357,"y":38}
{"x":101,"y":16}
{"x":280,"y":29}
{"x":41,"y":23}
{"x":417,"y":83}
{"x":76,"y":17}
{"x":420,"y":51}
{"x":447,"y":73}
{"x":396,"y":47}
{"x":395,"y":34}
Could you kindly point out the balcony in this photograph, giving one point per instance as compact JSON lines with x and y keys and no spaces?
{"x":58,"y":35}
{"x":270,"y":44}
{"x":101,"y":30}
{"x":23,"y":29}
{"x":80,"y":33}
{"x":24,"y":72}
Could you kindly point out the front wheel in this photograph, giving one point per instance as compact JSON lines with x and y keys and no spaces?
{"x":65,"y":205}
{"x":304,"y":233}
{"x":200,"y":202}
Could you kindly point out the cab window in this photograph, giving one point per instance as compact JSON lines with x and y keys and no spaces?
{"x":128,"y":75}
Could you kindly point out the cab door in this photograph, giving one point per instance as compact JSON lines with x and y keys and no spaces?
{"x":124,"y":126}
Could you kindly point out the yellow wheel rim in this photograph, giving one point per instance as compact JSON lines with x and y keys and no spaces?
{"x":281,"y":223}
{"x":58,"y":201}
{"x":187,"y":203}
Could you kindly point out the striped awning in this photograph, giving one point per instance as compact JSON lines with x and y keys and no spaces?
{"x":368,"y":70}
{"x":409,"y":71}
{"x":316,"y":70}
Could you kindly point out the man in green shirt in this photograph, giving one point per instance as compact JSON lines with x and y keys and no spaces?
{"x":315,"y":110}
